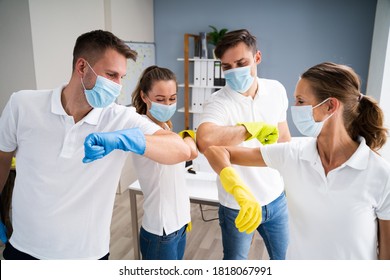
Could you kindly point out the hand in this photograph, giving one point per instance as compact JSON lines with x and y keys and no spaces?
{"x":187,"y":133}
{"x":98,"y":145}
{"x":265,"y":133}
{"x":3,"y":233}
{"x":250,"y":215}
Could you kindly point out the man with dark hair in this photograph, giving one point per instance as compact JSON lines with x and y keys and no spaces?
{"x":62,"y":207}
{"x":236,"y":115}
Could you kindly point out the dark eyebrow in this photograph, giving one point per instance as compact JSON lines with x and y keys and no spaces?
{"x":237,"y":62}
{"x":225,"y":64}
{"x":240,"y":60}
{"x":159,"y":95}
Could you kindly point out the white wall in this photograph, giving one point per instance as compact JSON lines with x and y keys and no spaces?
{"x":16,"y":52}
{"x":56,"y":25}
{"x":132,"y":20}
{"x":378,"y":84}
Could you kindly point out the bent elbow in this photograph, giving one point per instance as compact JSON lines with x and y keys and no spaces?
{"x":202,"y":144}
{"x":194,"y":154}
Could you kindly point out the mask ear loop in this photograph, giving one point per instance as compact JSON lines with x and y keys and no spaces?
{"x":318,"y":105}
{"x":82,"y":83}
{"x":91,"y":68}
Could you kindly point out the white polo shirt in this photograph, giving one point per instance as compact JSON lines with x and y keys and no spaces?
{"x":166,"y":199}
{"x":227,"y":107}
{"x":61,"y":207}
{"x":333,"y":216}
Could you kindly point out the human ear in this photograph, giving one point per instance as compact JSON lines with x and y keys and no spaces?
{"x":144,"y":97}
{"x":80,"y":66}
{"x":333,"y":104}
{"x":258,"y":57}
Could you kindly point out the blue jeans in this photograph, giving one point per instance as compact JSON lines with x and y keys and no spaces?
{"x":273,"y":229}
{"x":165,"y":247}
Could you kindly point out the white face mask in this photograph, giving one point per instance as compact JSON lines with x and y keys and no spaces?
{"x":303,"y":119}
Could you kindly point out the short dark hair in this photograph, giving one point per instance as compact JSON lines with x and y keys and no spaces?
{"x":232,"y":38}
{"x":93,"y":44}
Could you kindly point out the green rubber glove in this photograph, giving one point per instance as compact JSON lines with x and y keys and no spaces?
{"x":265,"y":133}
{"x":184,"y":133}
{"x":249,"y":217}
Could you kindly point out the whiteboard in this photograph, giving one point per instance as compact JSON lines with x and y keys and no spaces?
{"x":145,"y":58}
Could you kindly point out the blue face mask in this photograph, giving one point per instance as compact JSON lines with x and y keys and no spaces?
{"x":303,"y":119}
{"x":162,"y":112}
{"x":239,"y":79}
{"x":103,"y":93}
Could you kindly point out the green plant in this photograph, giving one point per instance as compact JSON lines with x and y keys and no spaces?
{"x":216,"y":35}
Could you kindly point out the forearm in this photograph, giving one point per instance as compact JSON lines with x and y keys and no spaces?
{"x":209,"y":134}
{"x":193,"y":149}
{"x":218,"y":158}
{"x":284,"y":132}
{"x":384,"y":240}
{"x":5,"y":165}
{"x":166,"y":148}
{"x":221,"y":157}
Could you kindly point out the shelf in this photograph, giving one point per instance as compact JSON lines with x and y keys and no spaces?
{"x":182,"y":110}
{"x":193,"y":86}
{"x":198,"y":59}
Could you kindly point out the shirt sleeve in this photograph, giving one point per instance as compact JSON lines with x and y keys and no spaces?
{"x":214,"y":111}
{"x":8,"y":139}
{"x":383,"y":209}
{"x":144,"y":124}
{"x":273,"y":155}
{"x":284,"y":102}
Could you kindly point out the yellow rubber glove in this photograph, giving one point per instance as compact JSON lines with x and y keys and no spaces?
{"x":13,"y":162}
{"x":265,"y":133}
{"x":187,"y":132}
{"x":249,"y":217}
{"x":189,"y":227}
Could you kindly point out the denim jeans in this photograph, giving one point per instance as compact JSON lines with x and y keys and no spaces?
{"x":273,"y":229}
{"x":165,"y":247}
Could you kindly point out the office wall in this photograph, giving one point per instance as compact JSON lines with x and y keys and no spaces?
{"x":64,"y":21}
{"x":132,"y":20}
{"x":16,"y":53}
{"x":55,"y":26}
{"x":292,"y":35}
{"x":37,"y":53}
{"x":379,"y":72}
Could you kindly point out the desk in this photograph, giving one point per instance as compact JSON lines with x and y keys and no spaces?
{"x":202,"y":188}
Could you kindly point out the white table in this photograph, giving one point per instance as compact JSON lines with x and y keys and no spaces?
{"x":202,"y":188}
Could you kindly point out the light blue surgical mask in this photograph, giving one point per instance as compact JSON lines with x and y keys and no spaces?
{"x":162,"y":112}
{"x":303,"y":119}
{"x":103,"y":93}
{"x":239,"y":79}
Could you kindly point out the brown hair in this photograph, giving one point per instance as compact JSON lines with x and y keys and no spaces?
{"x":145,"y":83}
{"x":232,"y":39}
{"x":362,"y":114}
{"x":93,"y":44}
